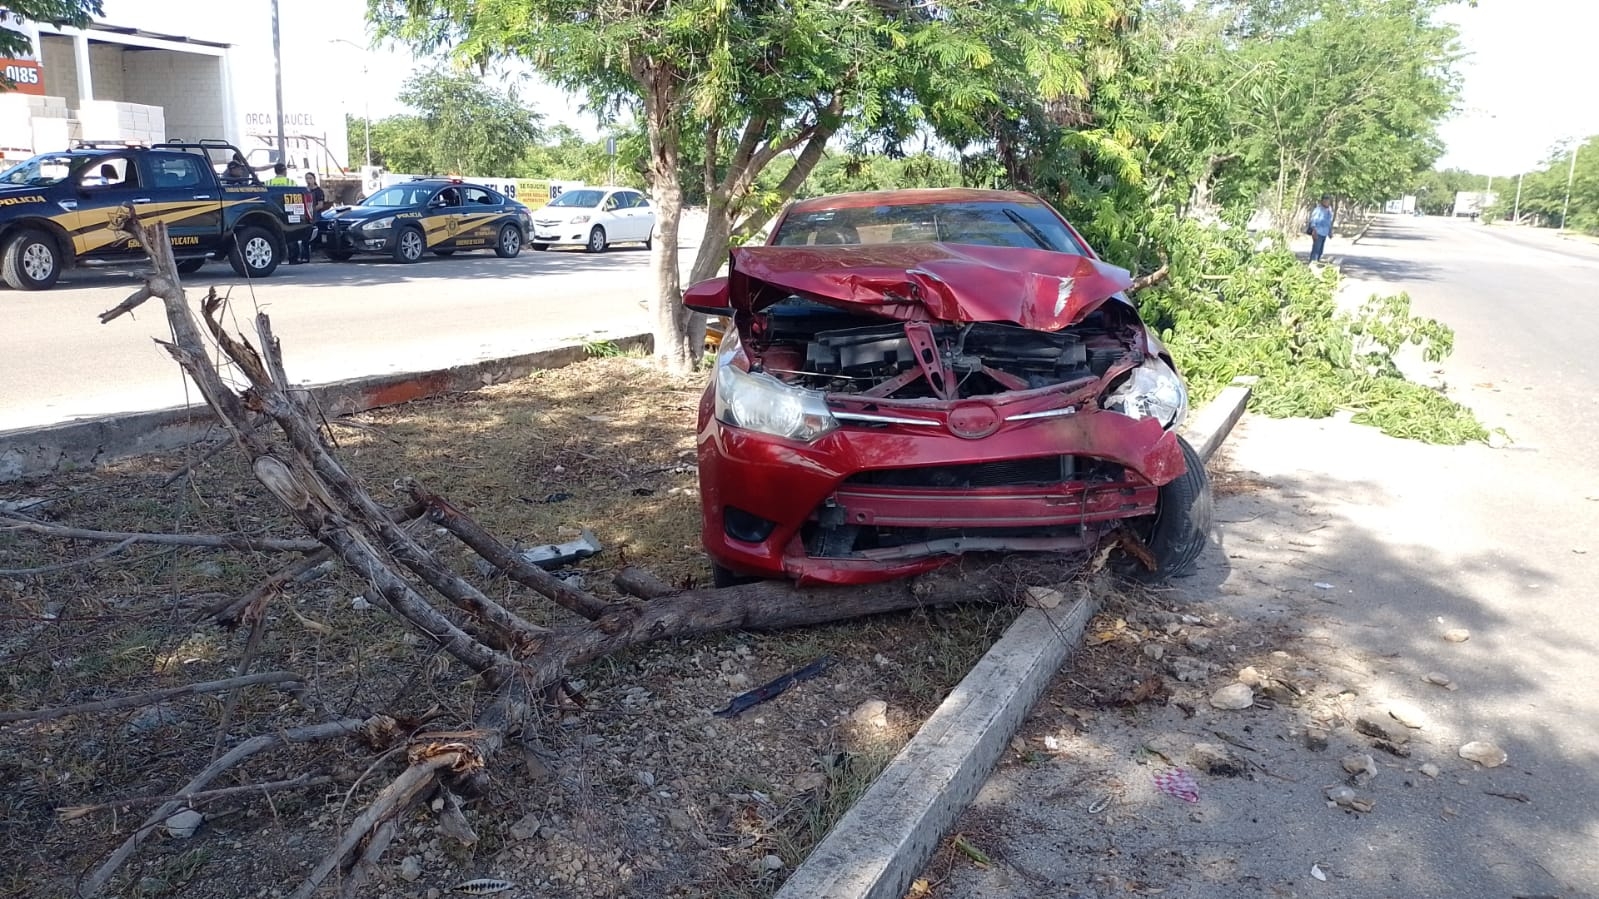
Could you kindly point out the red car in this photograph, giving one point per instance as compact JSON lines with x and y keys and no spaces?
{"x":917,"y":374}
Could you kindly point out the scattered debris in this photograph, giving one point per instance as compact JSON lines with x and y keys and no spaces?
{"x":1151,"y":687}
{"x":1253,"y":676}
{"x":871,"y":713}
{"x":1044,"y":597}
{"x":1441,"y":680}
{"x":772,"y":863}
{"x":1177,"y":783}
{"x":410,"y":868}
{"x":1316,"y":739}
{"x":1485,"y":754}
{"x":978,"y":856}
{"x":1407,"y":714}
{"x":1345,"y":797}
{"x":1514,"y":797}
{"x":1430,"y":769}
{"x":1360,"y":765}
{"x":183,"y":824}
{"x":1188,"y":669}
{"x":526,"y":827}
{"x":483,"y":886}
{"x":1457,"y":635}
{"x":1383,"y":727}
{"x":1216,"y":760}
{"x":771,"y":690}
{"x":1323,"y":585}
{"x":1396,"y":749}
{"x":1099,"y":804}
{"x":552,"y":555}
{"x":1198,"y":643}
{"x":1233,"y":697}
{"x":1316,"y":872}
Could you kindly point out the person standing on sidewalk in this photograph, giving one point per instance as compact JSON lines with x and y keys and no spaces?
{"x":316,"y":202}
{"x":1320,"y":227}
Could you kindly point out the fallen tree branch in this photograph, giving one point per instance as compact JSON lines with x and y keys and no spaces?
{"x":153,"y":697}
{"x":96,"y":882}
{"x":237,"y":541}
{"x":199,"y":797}
{"x":641,"y":583}
{"x":75,"y":563}
{"x":1153,"y":278}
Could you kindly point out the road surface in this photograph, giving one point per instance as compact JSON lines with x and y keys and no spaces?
{"x":1355,"y":554}
{"x":337,"y":320}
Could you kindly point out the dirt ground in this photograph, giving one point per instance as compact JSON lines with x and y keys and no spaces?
{"x":639,"y":792}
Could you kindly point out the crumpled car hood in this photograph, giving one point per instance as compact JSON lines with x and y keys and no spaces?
{"x":1039,"y":289}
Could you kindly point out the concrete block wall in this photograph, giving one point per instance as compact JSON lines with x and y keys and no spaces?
{"x":60,"y":68}
{"x":187,"y":85}
{"x":105,"y":63}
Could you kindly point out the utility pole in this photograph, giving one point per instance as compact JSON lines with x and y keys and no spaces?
{"x":1515,"y":217}
{"x":277,"y":73}
{"x":1570,"y":173}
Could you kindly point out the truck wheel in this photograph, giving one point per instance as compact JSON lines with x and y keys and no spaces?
{"x":541,"y":247}
{"x":510,"y":243}
{"x":409,"y":245}
{"x":190,"y":266}
{"x":30,"y":261}
{"x":597,"y":242}
{"x":255,"y":253}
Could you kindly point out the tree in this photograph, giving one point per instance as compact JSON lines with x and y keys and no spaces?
{"x":75,"y":13}
{"x":747,"y":83}
{"x":461,"y":126}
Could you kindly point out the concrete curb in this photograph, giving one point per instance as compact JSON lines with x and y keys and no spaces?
{"x":886,"y":839}
{"x":40,"y":452}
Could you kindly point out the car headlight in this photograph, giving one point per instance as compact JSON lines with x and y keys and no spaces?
{"x":760,"y":402}
{"x":378,"y":224}
{"x":1151,"y":390}
{"x":577,"y":220}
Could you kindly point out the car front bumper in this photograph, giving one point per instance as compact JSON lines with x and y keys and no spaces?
{"x":775,"y":508}
{"x":347,"y":239}
{"x":560,"y":233}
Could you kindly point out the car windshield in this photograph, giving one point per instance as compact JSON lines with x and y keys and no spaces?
{"x":40,"y":171}
{"x":991,"y":223}
{"x":585,"y":199}
{"x":399,"y":196}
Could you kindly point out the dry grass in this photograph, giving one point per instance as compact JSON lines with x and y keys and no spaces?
{"x":641,"y":793}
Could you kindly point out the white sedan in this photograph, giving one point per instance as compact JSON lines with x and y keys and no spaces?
{"x":595,"y":218}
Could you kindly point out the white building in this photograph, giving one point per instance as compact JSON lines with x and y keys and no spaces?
{"x":181,"y":69}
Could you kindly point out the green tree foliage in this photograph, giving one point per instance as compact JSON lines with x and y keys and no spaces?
{"x":75,"y":13}
{"x":1543,"y":191}
{"x":741,"y":85}
{"x":461,"y":126}
{"x":1435,"y":190}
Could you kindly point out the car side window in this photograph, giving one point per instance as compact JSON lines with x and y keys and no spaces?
{"x":177,"y":170}
{"x":477,"y":196}
{"x":447,"y":197}
{"x":612,"y":203}
{"x":109,"y":172}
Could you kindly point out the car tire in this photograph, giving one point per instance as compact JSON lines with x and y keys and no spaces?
{"x":255,"y":253}
{"x":540,"y":247}
{"x":30,"y":261}
{"x":409,"y":244}
{"x":444,"y":252}
{"x":509,"y":246}
{"x":597,"y":242}
{"x":649,"y":242}
{"x":340,"y":255}
{"x":190,"y":266}
{"x":1180,"y":528}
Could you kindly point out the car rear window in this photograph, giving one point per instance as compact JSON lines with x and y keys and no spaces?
{"x":996,"y":224}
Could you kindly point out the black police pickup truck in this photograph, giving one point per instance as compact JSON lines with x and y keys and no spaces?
{"x":439,"y":214}
{"x":61,"y":209}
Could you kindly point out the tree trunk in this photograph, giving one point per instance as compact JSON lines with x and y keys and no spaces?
{"x":715,"y":241}
{"x":673,"y":347}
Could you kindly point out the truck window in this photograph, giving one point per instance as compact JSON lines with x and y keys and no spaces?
{"x":107,"y":172}
{"x":176,"y":170}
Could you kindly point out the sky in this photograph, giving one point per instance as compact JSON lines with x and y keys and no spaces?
{"x":1528,"y":79}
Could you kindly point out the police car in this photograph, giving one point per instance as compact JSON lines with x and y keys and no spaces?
{"x":439,"y":214}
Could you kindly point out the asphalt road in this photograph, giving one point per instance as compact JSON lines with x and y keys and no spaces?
{"x":1356,"y":552}
{"x":337,"y":320}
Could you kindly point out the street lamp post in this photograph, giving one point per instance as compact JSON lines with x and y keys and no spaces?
{"x":366,"y":99}
{"x":1570,"y":173}
{"x":1515,"y":216}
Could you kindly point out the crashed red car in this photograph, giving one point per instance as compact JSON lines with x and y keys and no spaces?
{"x":917,"y":374}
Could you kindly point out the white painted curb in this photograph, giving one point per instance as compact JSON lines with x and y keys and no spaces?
{"x":886,"y":839}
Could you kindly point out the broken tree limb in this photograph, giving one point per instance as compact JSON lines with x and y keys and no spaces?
{"x":198,"y":797}
{"x":154,"y":696}
{"x":245,"y":542}
{"x":639,"y":582}
{"x":496,"y":553}
{"x":100,"y":556}
{"x":96,"y":882}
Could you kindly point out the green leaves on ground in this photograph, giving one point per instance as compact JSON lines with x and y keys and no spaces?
{"x":1231,"y":307}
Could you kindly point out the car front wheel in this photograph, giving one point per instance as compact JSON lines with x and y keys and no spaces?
{"x":597,"y":242}
{"x":510,"y":242}
{"x":1180,"y":527}
{"x":30,"y":261}
{"x":408,"y":245}
{"x":255,"y":253}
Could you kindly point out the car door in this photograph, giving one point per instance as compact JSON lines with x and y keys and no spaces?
{"x":646,"y":215}
{"x":628,"y":212}
{"x":480,"y":216}
{"x":185,"y":198}
{"x":441,"y":218}
{"x":104,"y":187}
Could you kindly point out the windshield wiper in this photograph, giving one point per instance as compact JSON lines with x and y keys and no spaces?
{"x":1032,"y":232}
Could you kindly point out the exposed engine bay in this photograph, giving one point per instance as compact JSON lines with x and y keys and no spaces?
{"x":817,"y":346}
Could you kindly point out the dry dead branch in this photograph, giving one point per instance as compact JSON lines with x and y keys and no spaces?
{"x":245,"y":542}
{"x":153,"y":697}
{"x":74,"y":812}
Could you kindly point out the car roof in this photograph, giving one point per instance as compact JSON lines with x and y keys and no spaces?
{"x":916,"y":196}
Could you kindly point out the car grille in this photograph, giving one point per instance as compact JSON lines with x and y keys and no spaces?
{"x":1039,"y":471}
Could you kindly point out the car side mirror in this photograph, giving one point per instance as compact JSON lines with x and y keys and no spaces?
{"x":708,"y":297}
